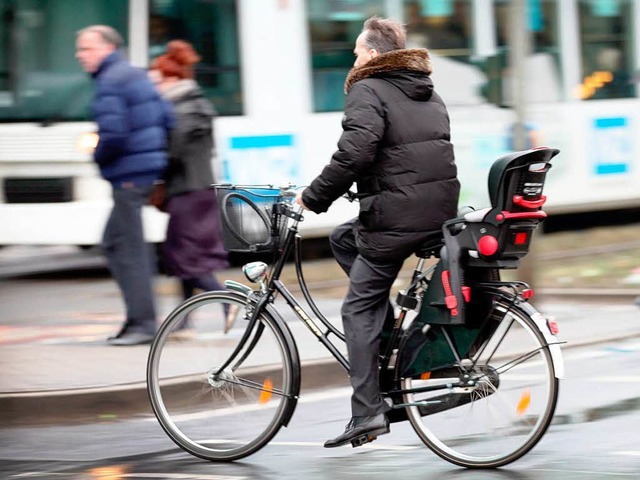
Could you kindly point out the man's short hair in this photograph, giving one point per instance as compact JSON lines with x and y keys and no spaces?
{"x":108,"y":34}
{"x":384,"y":35}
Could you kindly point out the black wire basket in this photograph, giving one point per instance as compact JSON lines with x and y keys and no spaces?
{"x":251,"y":221}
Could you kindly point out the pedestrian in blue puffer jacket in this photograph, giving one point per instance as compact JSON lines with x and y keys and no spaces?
{"x":133,"y":124}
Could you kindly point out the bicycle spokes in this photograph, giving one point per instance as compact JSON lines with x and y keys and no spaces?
{"x":231,"y":392}
{"x":492,"y":412}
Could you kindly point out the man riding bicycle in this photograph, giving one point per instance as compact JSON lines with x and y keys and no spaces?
{"x":396,"y":147}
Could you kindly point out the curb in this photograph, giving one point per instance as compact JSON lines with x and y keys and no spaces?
{"x":109,"y":403}
{"x":81,"y":405}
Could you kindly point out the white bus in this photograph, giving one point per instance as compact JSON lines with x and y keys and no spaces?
{"x":275,"y":71}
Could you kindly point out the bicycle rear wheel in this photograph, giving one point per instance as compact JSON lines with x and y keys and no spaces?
{"x":505,"y":406}
{"x":229,"y":414}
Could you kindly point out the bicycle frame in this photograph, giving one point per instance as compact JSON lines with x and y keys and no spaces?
{"x":320,"y":326}
{"x":274,"y":285}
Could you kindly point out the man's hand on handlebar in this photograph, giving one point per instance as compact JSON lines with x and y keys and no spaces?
{"x":351,"y":196}
{"x":299,"y":200}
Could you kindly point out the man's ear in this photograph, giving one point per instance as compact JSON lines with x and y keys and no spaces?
{"x":374,"y":53}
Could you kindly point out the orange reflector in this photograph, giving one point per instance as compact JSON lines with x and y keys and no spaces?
{"x":524,"y":403}
{"x":267,"y":391}
{"x":425,"y":376}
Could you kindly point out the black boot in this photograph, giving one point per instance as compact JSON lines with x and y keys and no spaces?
{"x":361,"y":430}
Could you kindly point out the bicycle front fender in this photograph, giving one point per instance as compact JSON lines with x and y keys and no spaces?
{"x":552,"y":341}
{"x":238,"y":287}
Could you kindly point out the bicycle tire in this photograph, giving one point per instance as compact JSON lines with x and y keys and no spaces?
{"x":508,"y":410}
{"x":228,"y":416}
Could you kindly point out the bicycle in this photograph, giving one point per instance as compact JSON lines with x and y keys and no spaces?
{"x":469,"y":362}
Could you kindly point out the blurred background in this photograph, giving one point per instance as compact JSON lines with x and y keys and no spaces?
{"x":514,"y":74}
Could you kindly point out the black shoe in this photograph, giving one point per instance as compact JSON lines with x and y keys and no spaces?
{"x":131,"y":338}
{"x":361,"y":430}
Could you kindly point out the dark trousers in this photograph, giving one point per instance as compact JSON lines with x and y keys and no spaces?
{"x":206,"y":283}
{"x":130,"y":259}
{"x":365,"y":311}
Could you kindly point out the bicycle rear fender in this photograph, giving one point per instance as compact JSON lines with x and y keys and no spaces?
{"x":291,"y":346}
{"x":552,"y":341}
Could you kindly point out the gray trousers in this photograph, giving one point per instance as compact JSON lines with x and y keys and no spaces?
{"x":130,"y":259}
{"x":365,"y":310}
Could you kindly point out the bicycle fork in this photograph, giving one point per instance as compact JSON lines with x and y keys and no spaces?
{"x":262,"y":300}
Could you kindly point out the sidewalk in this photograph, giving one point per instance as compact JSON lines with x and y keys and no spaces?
{"x":55,"y":364}
{"x":73,"y":375}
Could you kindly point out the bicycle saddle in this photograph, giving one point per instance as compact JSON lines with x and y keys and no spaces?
{"x":431,"y":246}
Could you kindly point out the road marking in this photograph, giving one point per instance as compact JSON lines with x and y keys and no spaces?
{"x":369,"y":446}
{"x":237,"y":409}
{"x":181,"y":476}
{"x":586,"y":355}
{"x":234,"y":410}
{"x":325,"y":395}
{"x":614,"y":379}
{"x":585,"y":472}
{"x":629,"y":453}
{"x":622,"y":348}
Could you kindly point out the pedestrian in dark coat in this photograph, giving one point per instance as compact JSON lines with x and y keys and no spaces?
{"x":193,"y":248}
{"x":396,"y":147}
{"x":133,"y":122}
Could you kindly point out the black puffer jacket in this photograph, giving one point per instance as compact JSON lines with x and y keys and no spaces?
{"x":396,"y":146}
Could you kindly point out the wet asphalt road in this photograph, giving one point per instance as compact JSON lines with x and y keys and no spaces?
{"x":595,"y":435}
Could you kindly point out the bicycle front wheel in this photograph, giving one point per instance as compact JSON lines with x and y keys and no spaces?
{"x":221,"y":415}
{"x":506,"y":405}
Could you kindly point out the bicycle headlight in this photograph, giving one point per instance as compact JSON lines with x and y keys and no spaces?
{"x":255,"y":271}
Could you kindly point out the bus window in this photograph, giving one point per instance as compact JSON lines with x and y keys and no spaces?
{"x":334,"y":26}
{"x":542,"y":21}
{"x":543,"y":63}
{"x":445,"y":28}
{"x":442,"y":27}
{"x":606,"y":39}
{"x":40,"y":79}
{"x":212,"y":28}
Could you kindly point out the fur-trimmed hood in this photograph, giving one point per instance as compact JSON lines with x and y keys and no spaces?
{"x":404,"y":66}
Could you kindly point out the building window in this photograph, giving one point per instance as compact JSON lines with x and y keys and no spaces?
{"x":212,"y":27}
{"x":607,"y":56}
{"x":40,"y":79}
{"x":334,"y":26}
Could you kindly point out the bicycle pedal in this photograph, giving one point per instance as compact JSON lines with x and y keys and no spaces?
{"x":362,"y":439}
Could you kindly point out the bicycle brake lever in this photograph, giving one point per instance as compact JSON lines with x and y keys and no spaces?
{"x":288,"y":211}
